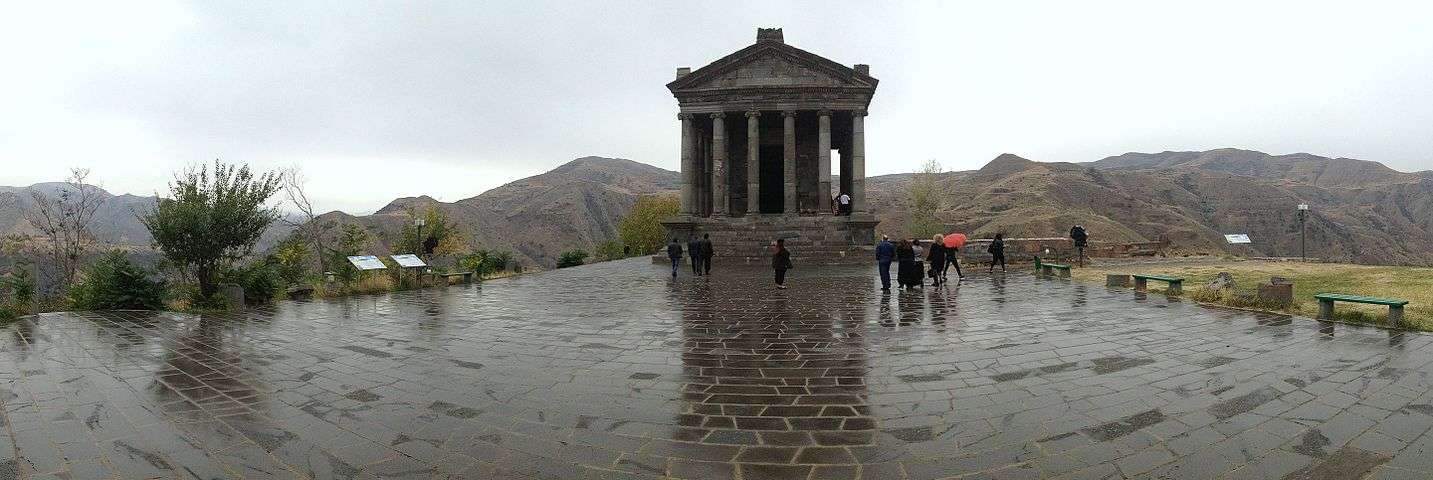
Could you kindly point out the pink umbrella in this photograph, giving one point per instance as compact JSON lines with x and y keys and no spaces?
{"x":955,"y":240}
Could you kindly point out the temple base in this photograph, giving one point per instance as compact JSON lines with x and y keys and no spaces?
{"x":818,"y":240}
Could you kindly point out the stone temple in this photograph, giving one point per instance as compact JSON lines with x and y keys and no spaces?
{"x":759,"y":131}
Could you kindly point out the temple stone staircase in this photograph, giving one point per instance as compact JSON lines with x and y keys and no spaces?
{"x":812,"y":240}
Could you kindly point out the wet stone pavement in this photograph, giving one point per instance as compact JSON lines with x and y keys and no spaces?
{"x":614,"y":371}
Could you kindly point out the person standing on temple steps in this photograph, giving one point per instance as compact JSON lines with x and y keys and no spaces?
{"x":707,"y":253}
{"x":674,"y":252}
{"x":780,"y":262}
{"x":694,"y":250}
{"x":997,"y":252}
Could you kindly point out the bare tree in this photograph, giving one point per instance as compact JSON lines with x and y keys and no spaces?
{"x":63,"y":221}
{"x":306,"y":225}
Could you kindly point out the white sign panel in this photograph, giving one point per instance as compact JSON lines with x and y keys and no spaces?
{"x":1237,"y":238}
{"x":367,"y":262}
{"x":409,"y":260}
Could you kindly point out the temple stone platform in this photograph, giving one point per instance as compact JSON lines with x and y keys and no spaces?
{"x":812,"y":240}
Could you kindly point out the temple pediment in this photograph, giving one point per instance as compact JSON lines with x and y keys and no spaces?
{"x":772,"y":63}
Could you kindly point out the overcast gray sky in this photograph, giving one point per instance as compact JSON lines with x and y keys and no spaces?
{"x":375,"y":100}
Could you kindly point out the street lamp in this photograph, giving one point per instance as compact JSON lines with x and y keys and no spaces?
{"x":418,"y":222}
{"x":1303,"y":245}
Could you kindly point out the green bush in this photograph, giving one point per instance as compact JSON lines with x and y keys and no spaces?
{"x":261,"y":281}
{"x":115,"y":283}
{"x":611,"y":250}
{"x":571,"y":259}
{"x":8,"y":313}
{"x":21,"y":286}
{"x":290,"y":258}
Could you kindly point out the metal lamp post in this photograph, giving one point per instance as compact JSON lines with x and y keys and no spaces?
{"x":418,"y":222}
{"x":1303,"y":245}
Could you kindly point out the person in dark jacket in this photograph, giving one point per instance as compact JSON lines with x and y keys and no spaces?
{"x":780,"y":262}
{"x":674,"y":252}
{"x":1081,"y":239}
{"x":997,"y":252}
{"x":694,"y":250}
{"x":907,"y":270}
{"x":936,"y":257}
{"x":952,"y":258}
{"x":885,"y":253}
{"x":707,"y":253}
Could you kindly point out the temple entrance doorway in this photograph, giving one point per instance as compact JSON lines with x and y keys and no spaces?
{"x":772,"y":180}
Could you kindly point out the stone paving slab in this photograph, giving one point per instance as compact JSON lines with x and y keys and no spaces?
{"x":614,"y":371}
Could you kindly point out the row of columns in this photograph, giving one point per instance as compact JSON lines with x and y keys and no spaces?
{"x":691,"y":170}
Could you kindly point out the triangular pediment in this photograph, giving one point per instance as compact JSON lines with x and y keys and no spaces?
{"x":771,"y":64}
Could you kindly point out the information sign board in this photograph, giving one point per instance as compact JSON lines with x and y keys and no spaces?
{"x":366,"y":262}
{"x":409,"y":260}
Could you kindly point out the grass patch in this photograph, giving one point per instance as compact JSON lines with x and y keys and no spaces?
{"x":1414,"y":284}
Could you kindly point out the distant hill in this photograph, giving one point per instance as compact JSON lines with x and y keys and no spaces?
{"x":574,"y":206}
{"x":116,"y":221}
{"x":1362,"y":211}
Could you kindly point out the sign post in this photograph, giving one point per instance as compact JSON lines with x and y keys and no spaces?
{"x":409,"y":261}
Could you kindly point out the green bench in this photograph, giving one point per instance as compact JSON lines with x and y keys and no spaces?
{"x":1049,"y":269}
{"x":1395,"y":306}
{"x":1141,"y":282}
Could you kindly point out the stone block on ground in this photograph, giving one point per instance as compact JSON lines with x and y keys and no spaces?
{"x":1117,"y":280}
{"x":233,"y":295}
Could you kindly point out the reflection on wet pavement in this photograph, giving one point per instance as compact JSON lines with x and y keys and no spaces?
{"x":613,"y":371}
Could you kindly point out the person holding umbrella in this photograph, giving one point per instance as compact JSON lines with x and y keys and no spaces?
{"x":953,"y":243}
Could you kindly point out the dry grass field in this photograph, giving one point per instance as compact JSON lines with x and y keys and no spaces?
{"x":1407,"y":283}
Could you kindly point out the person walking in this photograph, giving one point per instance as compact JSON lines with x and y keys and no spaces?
{"x":707,"y":253}
{"x":906,"y":272}
{"x":1081,"y":239}
{"x":997,"y":252}
{"x":952,"y":257}
{"x":694,"y":250}
{"x":674,"y":252}
{"x":936,"y":257}
{"x":780,"y":262}
{"x":885,"y":253}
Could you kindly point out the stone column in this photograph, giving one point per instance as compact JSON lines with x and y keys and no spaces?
{"x":823,"y":156}
{"x":719,"y":200}
{"x":753,"y":162}
{"x":858,"y":161}
{"x":689,"y":165}
{"x":788,"y":161}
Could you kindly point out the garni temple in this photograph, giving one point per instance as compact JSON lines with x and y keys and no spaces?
{"x":760,"y":128}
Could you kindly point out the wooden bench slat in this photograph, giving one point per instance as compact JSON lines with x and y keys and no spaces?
{"x":1160,"y":278}
{"x":1056,"y":265}
{"x":1339,"y":297}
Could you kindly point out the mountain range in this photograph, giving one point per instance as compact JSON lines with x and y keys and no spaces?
{"x":1360,"y":211}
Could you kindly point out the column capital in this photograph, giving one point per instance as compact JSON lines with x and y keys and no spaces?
{"x":719,"y":115}
{"x":823,"y":112}
{"x":753,"y":113}
{"x":788,"y":113}
{"x":685,"y":116}
{"x":859,"y":112}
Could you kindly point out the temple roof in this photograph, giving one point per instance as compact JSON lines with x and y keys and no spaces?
{"x":771,"y":64}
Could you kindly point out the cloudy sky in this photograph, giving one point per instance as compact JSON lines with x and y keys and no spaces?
{"x":375,"y":100}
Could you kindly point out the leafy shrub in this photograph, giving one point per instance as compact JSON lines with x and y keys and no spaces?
{"x":115,"y":283}
{"x":642,"y":227}
{"x":291,"y":260}
{"x":20,"y":285}
{"x":611,"y":250}
{"x":261,"y":281}
{"x":571,"y":259}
